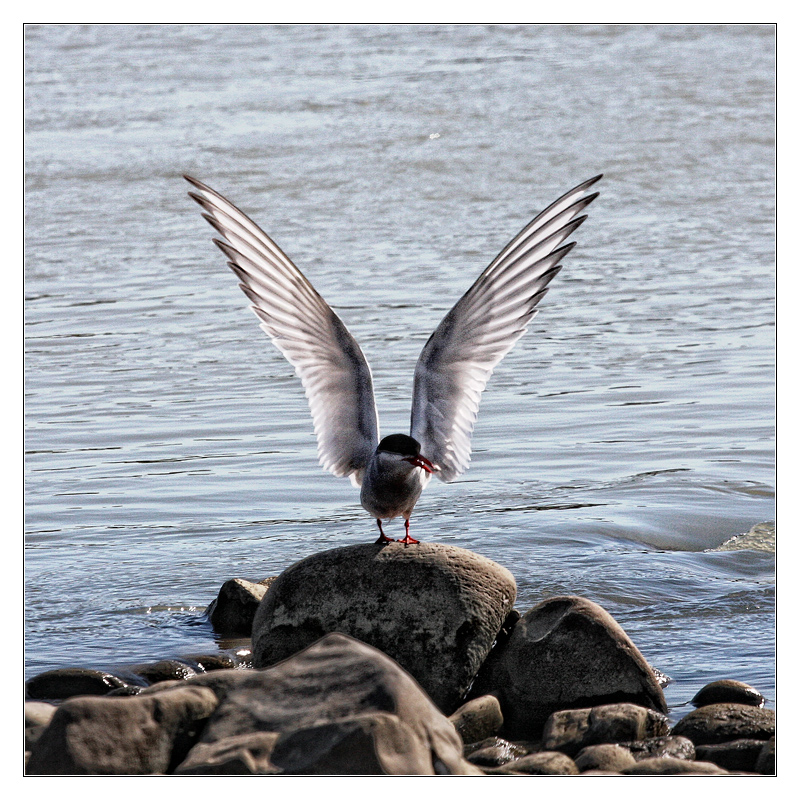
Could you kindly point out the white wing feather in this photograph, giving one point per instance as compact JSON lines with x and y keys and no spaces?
{"x":482,"y":327}
{"x":327,"y":359}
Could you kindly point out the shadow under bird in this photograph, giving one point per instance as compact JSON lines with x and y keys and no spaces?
{"x":452,"y":370}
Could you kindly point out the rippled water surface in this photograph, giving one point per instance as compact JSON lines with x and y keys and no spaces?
{"x":622,"y":443}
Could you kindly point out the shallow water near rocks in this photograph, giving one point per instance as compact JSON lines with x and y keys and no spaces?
{"x":623,"y":448}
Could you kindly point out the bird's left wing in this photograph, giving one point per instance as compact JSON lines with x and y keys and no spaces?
{"x":326,"y":357}
{"x":482,"y":327}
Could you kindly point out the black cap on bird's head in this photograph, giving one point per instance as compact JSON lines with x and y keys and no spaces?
{"x":399,"y":443}
{"x":408,"y":448}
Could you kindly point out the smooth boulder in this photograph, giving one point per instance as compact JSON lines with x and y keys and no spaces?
{"x":728,"y":691}
{"x":435,"y":609}
{"x":566,"y":652}
{"x":338,"y":707}
{"x":142,"y":735}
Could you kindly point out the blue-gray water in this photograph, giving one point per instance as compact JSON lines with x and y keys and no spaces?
{"x":627,"y":436}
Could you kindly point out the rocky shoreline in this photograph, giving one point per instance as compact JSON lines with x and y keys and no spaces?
{"x":394,"y":660}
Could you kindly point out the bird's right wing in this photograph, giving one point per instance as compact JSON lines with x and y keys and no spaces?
{"x":482,"y":327}
{"x":327,"y":359}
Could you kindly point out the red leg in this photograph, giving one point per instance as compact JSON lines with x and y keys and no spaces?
{"x":383,"y":538}
{"x":408,"y":540}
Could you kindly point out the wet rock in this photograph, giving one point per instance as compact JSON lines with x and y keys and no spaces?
{"x":543,"y":763}
{"x":567,"y":652}
{"x":571,"y":730}
{"x":125,"y":691}
{"x":233,"y":611}
{"x":122,"y":735}
{"x":661,"y":679}
{"x":740,"y":755}
{"x":338,"y":707}
{"x":728,"y":691}
{"x":478,"y":719}
{"x":662,"y":746}
{"x":723,"y":722}
{"x":765,"y":763}
{"x":60,"y":684}
{"x":673,"y":766}
{"x":166,"y":670}
{"x":435,"y":609}
{"x":606,"y":757}
{"x":493,"y":752}
{"x":208,"y":662}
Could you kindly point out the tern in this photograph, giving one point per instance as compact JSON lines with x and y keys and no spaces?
{"x":451,"y":373}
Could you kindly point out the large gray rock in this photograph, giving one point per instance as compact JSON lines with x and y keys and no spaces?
{"x":435,"y":609}
{"x":140,"y":735}
{"x":723,"y":722}
{"x":338,"y":707}
{"x":566,"y":652}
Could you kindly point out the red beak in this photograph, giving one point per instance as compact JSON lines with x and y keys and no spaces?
{"x":421,"y":462}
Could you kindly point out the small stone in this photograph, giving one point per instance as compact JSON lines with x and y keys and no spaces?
{"x":740,"y":755}
{"x":723,"y":722}
{"x":37,"y":718}
{"x":765,"y":764}
{"x":571,"y":730}
{"x":233,"y":611}
{"x":543,"y":763}
{"x":208,"y":662}
{"x":728,"y":692}
{"x":38,"y":713}
{"x":60,"y":684}
{"x":125,"y":691}
{"x":478,"y":719}
{"x":494,"y":752}
{"x":661,"y":679}
{"x":166,"y":670}
{"x":662,"y":746}
{"x":606,"y":757}
{"x":673,"y":766}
